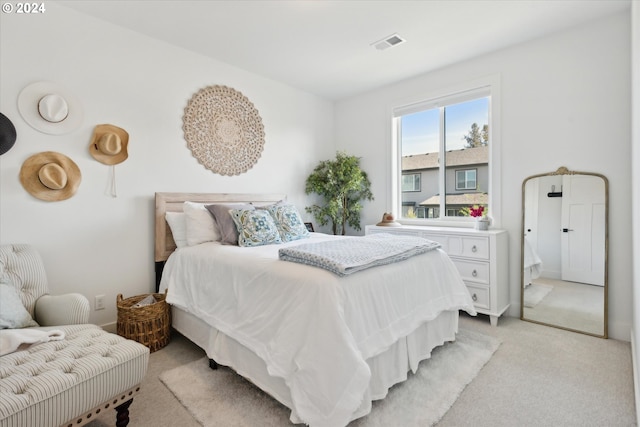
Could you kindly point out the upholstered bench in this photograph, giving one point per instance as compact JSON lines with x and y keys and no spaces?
{"x":51,"y":383}
{"x":56,"y":369}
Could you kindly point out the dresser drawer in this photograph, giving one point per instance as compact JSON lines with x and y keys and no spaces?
{"x":479,"y":295}
{"x":469,"y":247}
{"x":442,"y":239}
{"x":472,"y":271}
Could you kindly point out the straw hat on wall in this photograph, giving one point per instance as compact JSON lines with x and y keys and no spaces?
{"x":109,"y":144}
{"x":50,"y":108}
{"x":50,"y":176}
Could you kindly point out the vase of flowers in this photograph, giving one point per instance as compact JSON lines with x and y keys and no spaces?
{"x":482,"y":222}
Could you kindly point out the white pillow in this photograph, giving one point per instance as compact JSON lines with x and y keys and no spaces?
{"x":199,"y":224}
{"x":178,"y":224}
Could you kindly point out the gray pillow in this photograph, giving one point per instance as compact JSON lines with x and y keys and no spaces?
{"x":222,"y":218}
{"x":13,"y":315}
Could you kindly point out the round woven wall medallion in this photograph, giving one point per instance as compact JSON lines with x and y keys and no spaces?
{"x":223,"y":130}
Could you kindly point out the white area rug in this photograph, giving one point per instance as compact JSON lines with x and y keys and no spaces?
{"x":222,"y":398}
{"x":534,"y":293}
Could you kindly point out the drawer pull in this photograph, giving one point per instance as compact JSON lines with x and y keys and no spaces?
{"x":474,"y":273}
{"x":474,"y":249}
{"x":474,"y":297}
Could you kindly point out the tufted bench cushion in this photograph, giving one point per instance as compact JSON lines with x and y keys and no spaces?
{"x":51,"y":383}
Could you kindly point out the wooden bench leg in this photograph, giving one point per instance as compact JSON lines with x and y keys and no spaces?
{"x":122,"y":418}
{"x":122,"y":415}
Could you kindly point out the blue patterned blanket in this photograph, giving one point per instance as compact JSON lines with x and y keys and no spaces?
{"x":349,"y":255}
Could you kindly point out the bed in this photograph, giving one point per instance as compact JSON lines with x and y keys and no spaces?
{"x":532,"y":264}
{"x":323,"y":345}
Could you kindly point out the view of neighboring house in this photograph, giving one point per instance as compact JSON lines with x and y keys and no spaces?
{"x":466,"y":182}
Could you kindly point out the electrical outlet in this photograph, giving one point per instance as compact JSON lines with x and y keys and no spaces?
{"x":99,"y":302}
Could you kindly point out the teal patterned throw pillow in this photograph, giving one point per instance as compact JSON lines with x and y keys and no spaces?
{"x":255,"y":227}
{"x":289,"y":222}
{"x":13,"y":315}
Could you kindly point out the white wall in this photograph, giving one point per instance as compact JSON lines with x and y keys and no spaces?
{"x":635,"y":165}
{"x":95,"y":244}
{"x":565,"y":101}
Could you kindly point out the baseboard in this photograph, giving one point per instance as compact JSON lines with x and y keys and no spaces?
{"x":636,"y":378}
{"x":110,"y":327}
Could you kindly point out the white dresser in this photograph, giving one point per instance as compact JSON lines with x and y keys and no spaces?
{"x":482,"y":258}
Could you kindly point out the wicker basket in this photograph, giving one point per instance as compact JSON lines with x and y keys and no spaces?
{"x":149,"y":325}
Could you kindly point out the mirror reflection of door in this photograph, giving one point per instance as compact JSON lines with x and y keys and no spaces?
{"x":583,"y":216}
{"x":564,"y":251}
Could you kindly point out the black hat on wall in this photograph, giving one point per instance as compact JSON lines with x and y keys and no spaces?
{"x":7,"y":134}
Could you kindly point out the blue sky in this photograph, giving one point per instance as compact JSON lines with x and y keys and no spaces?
{"x":420,"y":130}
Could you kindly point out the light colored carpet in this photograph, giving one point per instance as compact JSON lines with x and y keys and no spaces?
{"x":539,"y":377}
{"x":222,"y":398}
{"x":534,"y":293}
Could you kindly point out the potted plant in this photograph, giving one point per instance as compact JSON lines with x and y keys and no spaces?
{"x":343,"y":185}
{"x":478,"y":212}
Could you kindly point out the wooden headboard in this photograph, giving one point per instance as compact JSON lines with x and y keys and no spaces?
{"x":172,"y":202}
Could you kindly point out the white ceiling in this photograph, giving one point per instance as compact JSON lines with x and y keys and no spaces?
{"x":324,"y":47}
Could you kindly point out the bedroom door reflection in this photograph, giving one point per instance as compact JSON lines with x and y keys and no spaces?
{"x":564,"y":251}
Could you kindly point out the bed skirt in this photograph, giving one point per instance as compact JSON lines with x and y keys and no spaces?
{"x":387,"y":368}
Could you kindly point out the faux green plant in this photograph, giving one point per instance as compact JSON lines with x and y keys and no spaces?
{"x":343,"y":185}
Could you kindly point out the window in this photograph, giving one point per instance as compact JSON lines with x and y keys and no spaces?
{"x":466,"y":179}
{"x":443,"y":148}
{"x":411,"y":182}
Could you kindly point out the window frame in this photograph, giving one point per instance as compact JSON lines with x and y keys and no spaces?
{"x":475,"y":187}
{"x":414,"y":174}
{"x":490,"y":85}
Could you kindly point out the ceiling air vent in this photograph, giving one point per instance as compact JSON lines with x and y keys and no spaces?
{"x":387,"y":42}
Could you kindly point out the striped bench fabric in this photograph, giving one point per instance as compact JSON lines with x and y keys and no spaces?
{"x":59,"y":382}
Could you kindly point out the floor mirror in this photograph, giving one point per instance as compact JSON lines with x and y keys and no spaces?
{"x":564,"y":251}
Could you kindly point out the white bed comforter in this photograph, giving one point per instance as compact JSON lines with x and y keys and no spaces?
{"x":531,"y":260}
{"x":311,"y":327}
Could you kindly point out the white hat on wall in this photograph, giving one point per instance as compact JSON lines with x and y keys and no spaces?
{"x":50,"y":108}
